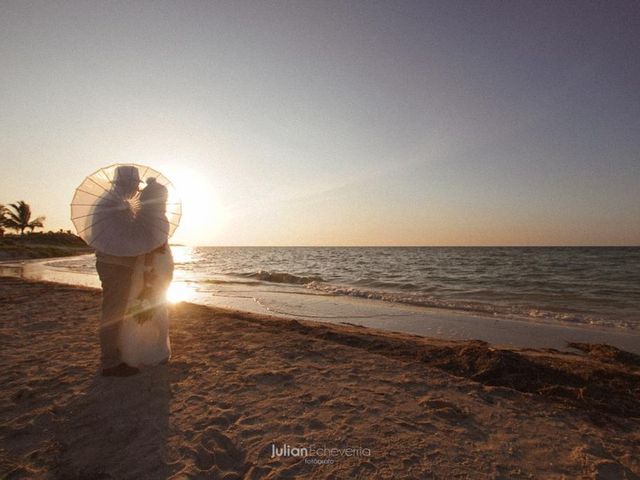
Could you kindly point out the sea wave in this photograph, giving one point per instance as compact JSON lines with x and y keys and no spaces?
{"x":281,"y":277}
{"x":570,"y":286}
{"x":509,"y":311}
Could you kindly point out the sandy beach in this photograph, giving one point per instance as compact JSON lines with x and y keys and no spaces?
{"x":396,"y":240}
{"x":241,"y":387}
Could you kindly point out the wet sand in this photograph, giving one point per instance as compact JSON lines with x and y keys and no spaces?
{"x":239,"y":386}
{"x":376,"y":314}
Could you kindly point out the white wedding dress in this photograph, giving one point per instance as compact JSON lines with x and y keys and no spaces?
{"x":146,"y":342}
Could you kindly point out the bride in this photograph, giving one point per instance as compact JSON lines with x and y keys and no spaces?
{"x":144,"y":335}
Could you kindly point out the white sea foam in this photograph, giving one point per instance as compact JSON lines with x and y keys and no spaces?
{"x":586,"y":286}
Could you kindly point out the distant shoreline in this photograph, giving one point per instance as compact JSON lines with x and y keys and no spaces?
{"x":42,"y":245}
{"x":34,"y":252}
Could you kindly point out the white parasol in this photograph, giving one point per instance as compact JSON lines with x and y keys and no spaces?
{"x":126,"y":210}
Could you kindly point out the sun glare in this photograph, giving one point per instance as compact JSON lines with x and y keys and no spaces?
{"x":202,"y":216}
{"x":179,"y":292}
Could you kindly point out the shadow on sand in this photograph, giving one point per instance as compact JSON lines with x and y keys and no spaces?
{"x":118,"y":427}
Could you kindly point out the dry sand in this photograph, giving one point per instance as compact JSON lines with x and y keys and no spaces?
{"x":238,"y":383}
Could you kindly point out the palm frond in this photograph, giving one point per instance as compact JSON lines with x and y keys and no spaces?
{"x":18,"y":217}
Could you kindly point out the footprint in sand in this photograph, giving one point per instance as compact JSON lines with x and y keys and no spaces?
{"x":219,"y":455}
{"x":315,"y":424}
{"x":443,"y":409}
{"x":251,"y":420}
{"x":453,"y":415}
{"x":270,"y":378}
{"x":218,"y":418}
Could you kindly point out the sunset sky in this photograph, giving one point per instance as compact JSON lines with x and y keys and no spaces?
{"x":335,"y":123}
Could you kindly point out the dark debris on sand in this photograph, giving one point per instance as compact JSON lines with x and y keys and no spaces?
{"x":607,"y":379}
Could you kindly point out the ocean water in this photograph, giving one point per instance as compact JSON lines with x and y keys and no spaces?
{"x":565,"y":285}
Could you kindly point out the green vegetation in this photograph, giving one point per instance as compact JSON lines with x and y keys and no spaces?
{"x":17,"y":217}
{"x":42,"y":245}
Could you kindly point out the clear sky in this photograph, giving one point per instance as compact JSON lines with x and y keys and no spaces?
{"x":335,"y":123}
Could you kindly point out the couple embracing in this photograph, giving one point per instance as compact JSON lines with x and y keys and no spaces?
{"x":134,"y":326}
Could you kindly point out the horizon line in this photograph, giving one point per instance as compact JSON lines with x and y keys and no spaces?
{"x":407,"y":246}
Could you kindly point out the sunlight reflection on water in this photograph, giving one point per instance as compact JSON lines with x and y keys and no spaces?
{"x":180,"y":292}
{"x":182,"y":254}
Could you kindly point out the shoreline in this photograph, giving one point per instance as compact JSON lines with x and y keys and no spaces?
{"x":424,"y":321}
{"x":239,"y":384}
{"x":41,"y":245}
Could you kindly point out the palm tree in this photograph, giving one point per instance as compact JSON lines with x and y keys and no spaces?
{"x":3,"y":213}
{"x":18,"y":217}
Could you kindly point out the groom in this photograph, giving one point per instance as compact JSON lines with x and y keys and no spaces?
{"x":115,"y":275}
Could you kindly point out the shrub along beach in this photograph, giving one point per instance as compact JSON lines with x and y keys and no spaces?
{"x":21,"y":245}
{"x":41,"y":245}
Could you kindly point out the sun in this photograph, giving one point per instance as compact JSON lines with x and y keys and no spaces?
{"x":202,"y":216}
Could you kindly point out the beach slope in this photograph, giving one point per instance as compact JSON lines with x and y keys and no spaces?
{"x":240,"y":388}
